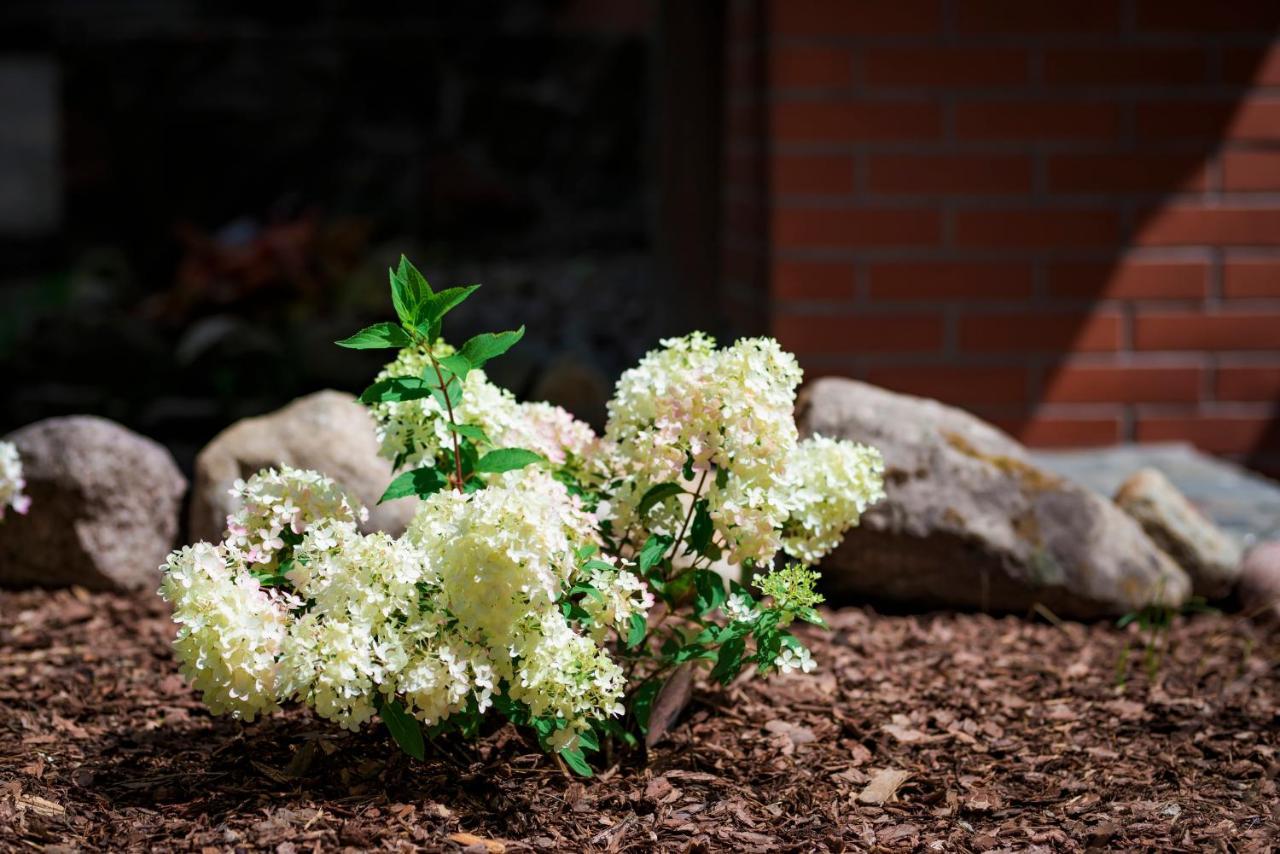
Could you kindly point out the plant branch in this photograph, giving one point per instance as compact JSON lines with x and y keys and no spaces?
{"x":697,"y":493}
{"x":448,"y":405}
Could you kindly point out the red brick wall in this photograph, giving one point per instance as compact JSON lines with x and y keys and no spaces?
{"x":1062,"y":215}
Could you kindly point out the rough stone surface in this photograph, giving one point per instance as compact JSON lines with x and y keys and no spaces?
{"x":327,"y":431}
{"x":1208,"y":555}
{"x":969,"y":521}
{"x":1260,"y":581}
{"x":1244,"y":504}
{"x":105,"y":507}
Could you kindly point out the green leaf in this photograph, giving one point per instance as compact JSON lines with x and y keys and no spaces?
{"x":450,"y":388}
{"x":574,"y":758}
{"x":655,"y":494}
{"x":642,"y":703}
{"x":729,"y":660}
{"x":413,"y":289}
{"x":489,"y":345}
{"x":471,"y":431}
{"x":652,"y":551}
{"x":710,"y":588}
{"x":507,"y":459}
{"x":396,"y":389}
{"x":636,"y":631}
{"x":810,"y":615}
{"x":404,"y":728}
{"x":587,"y":738}
{"x":420,"y":482}
{"x":602,"y":565}
{"x":378,"y":336}
{"x":702,"y":529}
{"x":438,"y":305}
{"x":457,"y":365}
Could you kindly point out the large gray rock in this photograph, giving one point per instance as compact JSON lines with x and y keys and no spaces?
{"x":328,"y":431}
{"x":968,"y":521}
{"x":105,"y":506}
{"x":1208,"y":555}
{"x":1260,"y":581}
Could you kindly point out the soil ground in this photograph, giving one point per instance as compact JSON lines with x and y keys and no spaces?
{"x":1013,"y":734}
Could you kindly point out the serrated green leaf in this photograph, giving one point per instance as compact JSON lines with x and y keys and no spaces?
{"x":420,"y":482}
{"x":438,"y":305}
{"x":636,"y":630}
{"x":710,"y":590}
{"x":456,"y":364}
{"x":729,"y":660}
{"x":396,"y":389}
{"x":489,"y":345}
{"x":602,"y":565}
{"x":642,"y":703}
{"x":414,"y":281}
{"x":652,"y":551}
{"x":404,"y":728}
{"x":658,"y":493}
{"x":471,"y":431}
{"x":574,"y":759}
{"x":587,"y":738}
{"x":376,"y":337}
{"x":507,"y":459}
{"x":702,"y":529}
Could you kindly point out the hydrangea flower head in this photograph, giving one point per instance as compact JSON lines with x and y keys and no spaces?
{"x":280,"y":504}
{"x":830,"y":483}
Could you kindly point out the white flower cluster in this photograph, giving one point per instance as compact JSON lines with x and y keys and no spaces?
{"x":726,"y":414}
{"x":231,"y":629}
{"x":274,"y":503}
{"x":467,"y":602}
{"x":416,"y":432}
{"x":11,"y":480}
{"x":830,"y":484}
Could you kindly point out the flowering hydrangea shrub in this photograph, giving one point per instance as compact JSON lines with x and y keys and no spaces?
{"x":550,"y":576}
{"x":11,"y":481}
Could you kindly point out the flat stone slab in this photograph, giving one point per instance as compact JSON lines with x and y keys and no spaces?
{"x":1244,"y":504}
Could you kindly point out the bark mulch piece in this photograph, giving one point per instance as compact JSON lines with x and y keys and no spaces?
{"x":1005,"y":733}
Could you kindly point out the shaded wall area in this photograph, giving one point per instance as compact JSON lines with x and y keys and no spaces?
{"x":1064,"y":216}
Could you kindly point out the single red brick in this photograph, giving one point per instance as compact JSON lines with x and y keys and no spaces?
{"x":961,"y":386}
{"x":1129,"y":279}
{"x":1036,"y":120}
{"x":1251,"y":170}
{"x":1186,"y":225}
{"x":828,"y":334}
{"x":1045,"y":431}
{"x":945,"y":67}
{"x":1000,"y":16}
{"x":811,"y":66}
{"x":812,"y":173}
{"x":965,"y":280}
{"x":1049,"y":229}
{"x":1254,"y":278}
{"x":1119,"y":173}
{"x":825,"y":18}
{"x":1257,"y":65}
{"x":1125,"y":65}
{"x":853,"y":121}
{"x":1220,"y":434}
{"x":811,"y":227}
{"x":993,"y":174}
{"x":1244,"y":16}
{"x":1247,"y":383}
{"x":1040,"y":333}
{"x":1121,"y":384}
{"x":1194,"y":330}
{"x":812,"y":280}
{"x":1253,"y":119}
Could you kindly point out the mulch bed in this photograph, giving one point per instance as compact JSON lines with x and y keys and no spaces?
{"x":1013,"y":734}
